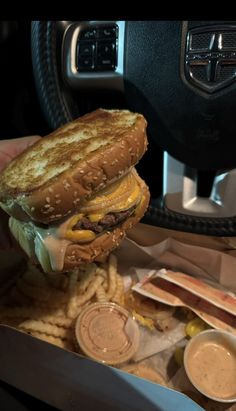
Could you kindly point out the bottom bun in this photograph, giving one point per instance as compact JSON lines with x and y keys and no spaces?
{"x":76,"y":254}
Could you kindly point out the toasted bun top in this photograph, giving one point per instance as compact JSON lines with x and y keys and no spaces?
{"x":49,"y":180}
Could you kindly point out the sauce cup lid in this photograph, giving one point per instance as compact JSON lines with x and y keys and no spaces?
{"x":106,"y":332}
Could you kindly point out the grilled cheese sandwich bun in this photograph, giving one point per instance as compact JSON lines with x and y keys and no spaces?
{"x":74,"y":193}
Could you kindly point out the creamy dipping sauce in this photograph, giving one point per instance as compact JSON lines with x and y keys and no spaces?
{"x":212,"y":367}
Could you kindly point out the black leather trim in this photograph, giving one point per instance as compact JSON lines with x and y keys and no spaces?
{"x":159,"y":215}
{"x":46,"y":72}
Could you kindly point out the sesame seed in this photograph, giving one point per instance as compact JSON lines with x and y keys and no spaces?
{"x":50,"y":190}
{"x":32,"y":209}
{"x":81,"y":171}
{"x":48,"y":210}
{"x":48,"y":199}
{"x":57,"y":195}
{"x":66,"y":185}
{"x":58,"y":201}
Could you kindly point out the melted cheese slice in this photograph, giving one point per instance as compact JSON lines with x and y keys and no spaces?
{"x":119,"y":196}
{"x":122,"y":196}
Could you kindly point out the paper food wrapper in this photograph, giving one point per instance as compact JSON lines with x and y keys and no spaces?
{"x":197,"y":261}
{"x":155,"y":286}
{"x":212,"y":292}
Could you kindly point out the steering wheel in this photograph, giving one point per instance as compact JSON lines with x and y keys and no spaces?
{"x":181,"y":76}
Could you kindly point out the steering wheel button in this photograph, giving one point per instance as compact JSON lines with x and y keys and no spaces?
{"x":106,"y":49}
{"x":86,"y":49}
{"x":88,"y":34}
{"x":85,"y":63}
{"x":105,"y":63}
{"x":107,"y":32}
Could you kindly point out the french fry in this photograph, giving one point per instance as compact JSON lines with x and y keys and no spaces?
{"x":74,"y":310}
{"x":65,"y":344}
{"x":84,"y":298}
{"x":53,"y":340}
{"x":112,"y":271}
{"x":49,"y":329}
{"x":87,"y":278}
{"x":102,"y":272}
{"x":72,"y":291}
{"x":59,"y":321}
{"x":117,"y":298}
{"x":101,"y":295}
{"x":105,"y":285}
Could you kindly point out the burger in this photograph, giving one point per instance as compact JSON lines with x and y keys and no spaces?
{"x":73,"y":195}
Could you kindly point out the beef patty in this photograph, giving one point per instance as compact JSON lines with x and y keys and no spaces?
{"x":108,"y":221}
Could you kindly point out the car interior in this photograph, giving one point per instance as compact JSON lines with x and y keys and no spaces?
{"x":179,"y":74}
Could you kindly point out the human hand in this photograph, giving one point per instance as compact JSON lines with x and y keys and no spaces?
{"x":9,"y":149}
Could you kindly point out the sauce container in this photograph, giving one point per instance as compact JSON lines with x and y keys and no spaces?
{"x":210,"y":364}
{"x":107,"y":333}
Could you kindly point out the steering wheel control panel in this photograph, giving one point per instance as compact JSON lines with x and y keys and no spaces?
{"x":93,"y":55}
{"x":96,"y":48}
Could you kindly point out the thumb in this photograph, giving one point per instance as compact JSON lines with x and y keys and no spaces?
{"x":23,"y":143}
{"x":9,"y":149}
